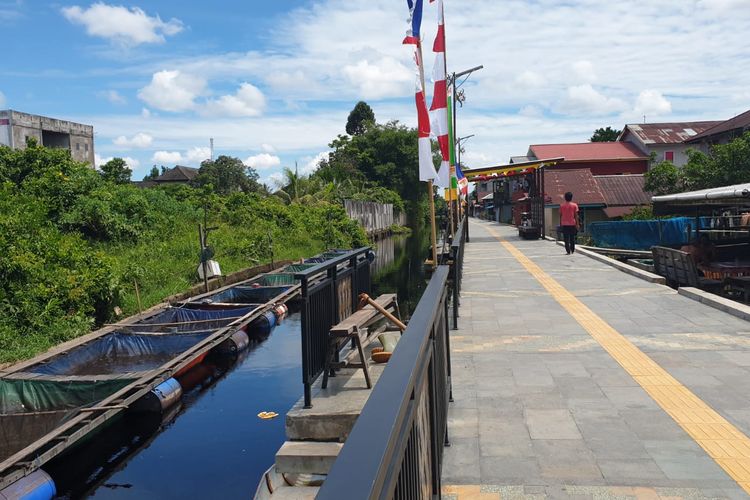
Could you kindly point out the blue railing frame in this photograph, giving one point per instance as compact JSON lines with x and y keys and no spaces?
{"x":319,"y":296}
{"x":381,"y":459}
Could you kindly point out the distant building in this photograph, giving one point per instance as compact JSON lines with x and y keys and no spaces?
{"x":667,"y":140}
{"x":177,"y":175}
{"x":599,"y":198}
{"x":721,"y":133}
{"x":17,"y":127}
{"x":602,"y":158}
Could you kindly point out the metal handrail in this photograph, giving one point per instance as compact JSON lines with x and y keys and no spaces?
{"x":457,"y":265}
{"x":382,"y":453}
{"x":325,"y":302}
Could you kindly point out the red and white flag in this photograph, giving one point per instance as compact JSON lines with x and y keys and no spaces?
{"x":426,"y":167}
{"x":439,"y":105}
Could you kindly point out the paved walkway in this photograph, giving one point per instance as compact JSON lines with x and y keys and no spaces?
{"x":572,"y":379}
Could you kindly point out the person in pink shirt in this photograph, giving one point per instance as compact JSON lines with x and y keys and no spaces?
{"x":569,"y":222}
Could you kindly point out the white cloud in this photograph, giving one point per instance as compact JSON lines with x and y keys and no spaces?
{"x":247,"y":101}
{"x":376,"y":80}
{"x":583,"y":72}
{"x":273,"y":181}
{"x":132,"y":163}
{"x":145,"y":112}
{"x":112,"y":96}
{"x":530,"y":79}
{"x":197,"y":155}
{"x":585,"y":100}
{"x":311,"y":163}
{"x":166,"y":158}
{"x":139,"y":140}
{"x":267,"y":148}
{"x":172,"y":90}
{"x":652,"y":103}
{"x":122,"y":25}
{"x":531,"y":111}
{"x":262,"y":161}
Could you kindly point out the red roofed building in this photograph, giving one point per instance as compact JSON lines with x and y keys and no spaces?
{"x":602,"y":158}
{"x":667,"y":140}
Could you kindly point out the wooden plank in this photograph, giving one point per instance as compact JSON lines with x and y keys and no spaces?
{"x":361,"y":317}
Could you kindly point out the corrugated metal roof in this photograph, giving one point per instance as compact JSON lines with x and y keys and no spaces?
{"x":741,"y":121}
{"x":580,"y":182}
{"x":727,"y":193}
{"x":588,"y":151}
{"x":667,"y":133}
{"x":623,"y":190}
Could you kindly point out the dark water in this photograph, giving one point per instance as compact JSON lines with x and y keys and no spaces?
{"x":214,"y":445}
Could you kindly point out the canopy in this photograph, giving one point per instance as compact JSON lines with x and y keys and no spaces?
{"x":738,"y":194}
{"x":522,"y":168}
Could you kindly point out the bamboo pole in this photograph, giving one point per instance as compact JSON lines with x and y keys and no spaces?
{"x":393,"y":319}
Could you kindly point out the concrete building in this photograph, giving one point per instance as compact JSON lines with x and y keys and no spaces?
{"x":17,"y":127}
{"x":669,"y":141}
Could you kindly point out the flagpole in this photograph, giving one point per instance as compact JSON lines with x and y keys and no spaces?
{"x":430,"y":190}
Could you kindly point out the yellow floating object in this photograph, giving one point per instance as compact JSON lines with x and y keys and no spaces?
{"x":265,"y":415}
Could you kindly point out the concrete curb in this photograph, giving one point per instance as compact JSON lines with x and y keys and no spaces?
{"x":728,"y":306}
{"x":628,"y":269}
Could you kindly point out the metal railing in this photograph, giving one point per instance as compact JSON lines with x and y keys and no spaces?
{"x":457,"y":265}
{"x":329,"y":293}
{"x":395,"y":449}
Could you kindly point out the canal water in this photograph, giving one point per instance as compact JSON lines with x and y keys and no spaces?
{"x":214,"y":445}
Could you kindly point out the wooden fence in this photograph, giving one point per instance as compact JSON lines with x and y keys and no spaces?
{"x":375,"y":218}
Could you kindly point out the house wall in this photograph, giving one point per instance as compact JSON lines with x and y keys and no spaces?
{"x":76,"y":137}
{"x":588,"y":215}
{"x":607,"y":167}
{"x":680,"y":152}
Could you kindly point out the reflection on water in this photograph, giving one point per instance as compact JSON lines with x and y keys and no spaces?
{"x":215,"y":446}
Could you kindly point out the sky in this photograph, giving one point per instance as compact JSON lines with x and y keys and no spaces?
{"x":272,"y":82}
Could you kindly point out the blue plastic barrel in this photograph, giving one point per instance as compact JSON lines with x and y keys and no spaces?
{"x":36,"y":486}
{"x":160,"y":398}
{"x":263,"y":324}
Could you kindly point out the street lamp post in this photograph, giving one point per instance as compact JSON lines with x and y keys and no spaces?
{"x":460,"y":99}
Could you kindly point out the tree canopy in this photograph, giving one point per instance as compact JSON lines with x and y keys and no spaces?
{"x":663,"y":178}
{"x":608,"y":134}
{"x":359,"y":119}
{"x":227,"y":175}
{"x":116,"y":171}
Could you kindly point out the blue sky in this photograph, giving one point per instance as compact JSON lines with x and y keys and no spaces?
{"x":273,"y":82}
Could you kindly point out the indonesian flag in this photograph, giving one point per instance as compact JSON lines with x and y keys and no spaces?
{"x":426,"y":167}
{"x":415,"y":22}
{"x":439,"y":105}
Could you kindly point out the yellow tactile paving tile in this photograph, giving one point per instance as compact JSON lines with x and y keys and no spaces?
{"x":722,"y":441}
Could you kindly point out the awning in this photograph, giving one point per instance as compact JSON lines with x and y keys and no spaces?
{"x":704,"y":200}
{"x":498,"y":171}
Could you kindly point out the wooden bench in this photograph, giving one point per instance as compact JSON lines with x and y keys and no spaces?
{"x":680,"y":270}
{"x":354,"y":329}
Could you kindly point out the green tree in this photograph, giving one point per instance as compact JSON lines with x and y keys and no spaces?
{"x":227,"y":175}
{"x":605,"y":135}
{"x":726,"y":164}
{"x":663,"y":178}
{"x":116,"y":171}
{"x":153,"y":174}
{"x":360,"y":118}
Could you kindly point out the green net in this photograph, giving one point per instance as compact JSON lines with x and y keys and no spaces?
{"x":278,"y":279}
{"x":296,"y":268}
{"x":26,"y":396}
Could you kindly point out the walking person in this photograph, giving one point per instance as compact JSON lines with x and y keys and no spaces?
{"x":569,"y":222}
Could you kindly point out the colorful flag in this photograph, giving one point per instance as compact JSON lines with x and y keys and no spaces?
{"x":415,"y":22}
{"x":440,"y":102}
{"x":426,"y":167}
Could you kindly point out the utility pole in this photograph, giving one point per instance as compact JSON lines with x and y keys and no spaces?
{"x":211,"y":142}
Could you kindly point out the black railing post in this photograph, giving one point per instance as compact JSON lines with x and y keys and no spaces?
{"x":306,"y":342}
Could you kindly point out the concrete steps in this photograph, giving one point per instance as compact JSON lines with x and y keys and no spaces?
{"x":306,"y":457}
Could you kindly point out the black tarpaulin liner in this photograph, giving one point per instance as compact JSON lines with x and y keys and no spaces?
{"x":52,"y":403}
{"x":179,"y":319}
{"x":248,"y":294}
{"x":120,"y":352}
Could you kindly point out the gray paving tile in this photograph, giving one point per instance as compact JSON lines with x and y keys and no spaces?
{"x":551,"y":424}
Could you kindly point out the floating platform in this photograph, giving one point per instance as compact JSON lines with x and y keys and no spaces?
{"x":50,"y":403}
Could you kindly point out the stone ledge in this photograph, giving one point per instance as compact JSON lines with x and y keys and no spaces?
{"x":626,"y":268}
{"x":728,"y":306}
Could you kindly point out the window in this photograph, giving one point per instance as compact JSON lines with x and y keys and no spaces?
{"x":669,"y":155}
{"x":78,"y":146}
{"x":87,"y":148}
